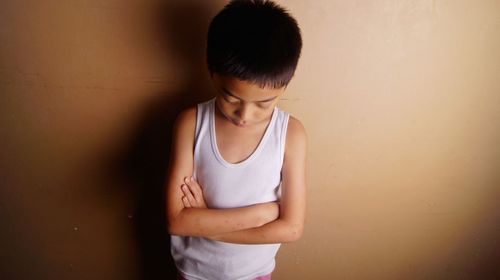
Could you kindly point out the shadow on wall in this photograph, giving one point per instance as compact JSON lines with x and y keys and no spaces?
{"x":182,"y":27}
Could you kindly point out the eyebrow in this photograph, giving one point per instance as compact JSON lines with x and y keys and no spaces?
{"x":230,"y":93}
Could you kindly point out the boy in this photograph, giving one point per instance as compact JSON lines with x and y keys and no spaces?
{"x":236,"y":180}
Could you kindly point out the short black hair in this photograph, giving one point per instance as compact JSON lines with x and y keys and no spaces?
{"x":256,"y":41}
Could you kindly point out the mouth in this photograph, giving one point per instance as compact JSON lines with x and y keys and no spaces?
{"x":240,"y":124}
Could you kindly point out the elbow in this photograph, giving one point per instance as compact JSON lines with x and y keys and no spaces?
{"x":173,"y":226}
{"x":177,"y":225}
{"x":293,"y":233}
{"x":176,"y":229}
{"x":172,"y":230}
{"x":296,"y":235}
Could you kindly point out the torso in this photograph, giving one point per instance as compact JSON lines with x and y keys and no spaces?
{"x":236,"y":144}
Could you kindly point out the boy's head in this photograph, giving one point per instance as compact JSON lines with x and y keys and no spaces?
{"x":255,"y":41}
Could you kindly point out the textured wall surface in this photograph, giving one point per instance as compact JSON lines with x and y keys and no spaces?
{"x":400,"y":98}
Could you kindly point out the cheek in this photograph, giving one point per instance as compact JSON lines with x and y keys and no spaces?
{"x":262,"y":114}
{"x":223,"y":105}
{"x":229,"y":108}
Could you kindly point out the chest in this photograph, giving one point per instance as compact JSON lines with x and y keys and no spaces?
{"x":236,"y":144}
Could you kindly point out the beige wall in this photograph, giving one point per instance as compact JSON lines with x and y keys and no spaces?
{"x":401,"y":101}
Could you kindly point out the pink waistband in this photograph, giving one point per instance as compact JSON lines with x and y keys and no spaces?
{"x":265,"y":277}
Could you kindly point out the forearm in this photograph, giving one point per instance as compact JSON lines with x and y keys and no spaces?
{"x":207,"y":222}
{"x":278,"y":231}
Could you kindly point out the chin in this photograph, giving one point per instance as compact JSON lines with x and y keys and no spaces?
{"x":237,"y":124}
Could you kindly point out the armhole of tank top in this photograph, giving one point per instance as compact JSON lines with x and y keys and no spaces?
{"x":284,"y":129}
{"x":198,"y":125}
{"x":199,"y":112}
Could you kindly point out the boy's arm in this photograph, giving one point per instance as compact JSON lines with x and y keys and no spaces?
{"x":290,"y":224}
{"x":202,"y":221}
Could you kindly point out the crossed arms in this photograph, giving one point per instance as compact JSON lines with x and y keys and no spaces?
{"x":188,"y":215}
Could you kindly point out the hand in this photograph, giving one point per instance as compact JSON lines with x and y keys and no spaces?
{"x":270,"y":212}
{"x":193,"y":194}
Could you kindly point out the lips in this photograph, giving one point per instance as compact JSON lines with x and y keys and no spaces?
{"x":238,"y":123}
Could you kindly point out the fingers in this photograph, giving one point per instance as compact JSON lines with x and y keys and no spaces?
{"x":194,"y":193}
{"x":194,"y":187}
{"x":188,"y":198}
{"x":186,"y":203}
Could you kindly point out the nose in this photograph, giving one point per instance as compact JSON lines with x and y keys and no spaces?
{"x":243,"y":113}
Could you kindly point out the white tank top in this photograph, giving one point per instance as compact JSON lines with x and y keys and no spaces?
{"x":257,"y":179}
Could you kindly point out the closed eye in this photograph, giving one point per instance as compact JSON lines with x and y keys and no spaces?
{"x":265,"y":104}
{"x":229,"y":98}
{"x":232,"y":99}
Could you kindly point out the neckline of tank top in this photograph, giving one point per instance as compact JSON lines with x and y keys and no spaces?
{"x":255,"y":153}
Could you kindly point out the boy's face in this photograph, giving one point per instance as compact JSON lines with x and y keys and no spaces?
{"x":244,"y":104}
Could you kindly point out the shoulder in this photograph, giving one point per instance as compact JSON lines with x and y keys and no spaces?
{"x":296,"y":136}
{"x":186,"y":118}
{"x":187,"y":115}
{"x":185,"y":125}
